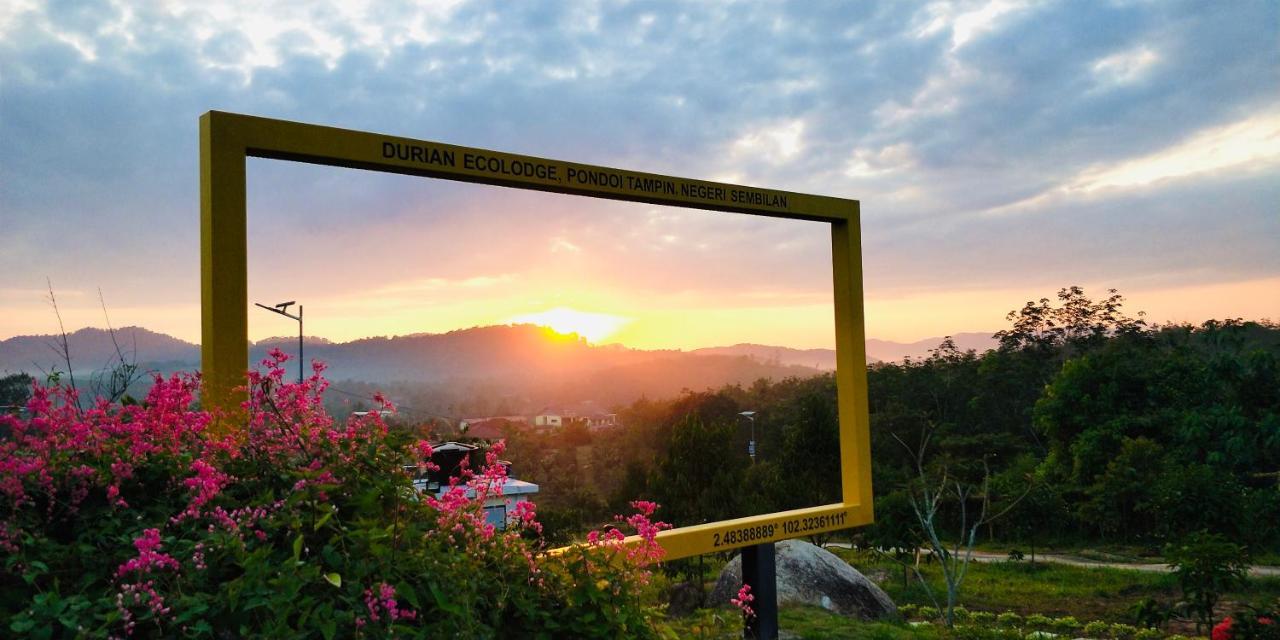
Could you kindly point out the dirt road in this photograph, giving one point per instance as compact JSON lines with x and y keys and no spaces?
{"x":983,"y":556}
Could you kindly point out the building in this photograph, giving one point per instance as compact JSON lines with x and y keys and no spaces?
{"x":382,"y":413}
{"x":601,"y":420}
{"x":550,"y":417}
{"x":588,"y":414}
{"x":491,"y":428}
{"x":449,"y":456}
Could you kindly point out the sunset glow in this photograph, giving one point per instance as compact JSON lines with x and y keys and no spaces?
{"x":1117,"y":157}
{"x":592,"y":326}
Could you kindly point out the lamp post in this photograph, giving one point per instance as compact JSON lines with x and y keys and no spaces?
{"x":281,"y":309}
{"x":751,"y":445}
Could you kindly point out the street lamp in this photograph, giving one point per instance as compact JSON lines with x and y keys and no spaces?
{"x":751,"y":445}
{"x":281,"y":309}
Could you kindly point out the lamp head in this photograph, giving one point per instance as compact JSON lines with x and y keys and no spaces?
{"x":284,"y":305}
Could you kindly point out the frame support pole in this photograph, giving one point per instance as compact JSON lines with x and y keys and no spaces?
{"x":224,"y":308}
{"x":759,"y":570}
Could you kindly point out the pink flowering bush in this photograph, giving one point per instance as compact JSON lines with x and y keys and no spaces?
{"x":157,"y":519}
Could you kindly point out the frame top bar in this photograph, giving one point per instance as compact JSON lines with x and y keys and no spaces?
{"x":316,"y":144}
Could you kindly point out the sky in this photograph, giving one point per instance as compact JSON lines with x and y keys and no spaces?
{"x":1001,"y":150}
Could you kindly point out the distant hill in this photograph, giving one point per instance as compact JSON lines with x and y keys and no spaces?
{"x":824,"y":359}
{"x":889,"y":351}
{"x":92,"y":350}
{"x":518,"y":358}
{"x":877,"y":351}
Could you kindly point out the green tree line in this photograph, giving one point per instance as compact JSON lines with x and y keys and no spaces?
{"x":1099,"y":426}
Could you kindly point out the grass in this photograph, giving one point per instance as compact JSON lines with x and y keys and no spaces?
{"x":807,"y":623}
{"x":1049,"y":589}
{"x":1101,"y":552}
{"x":1053,"y":590}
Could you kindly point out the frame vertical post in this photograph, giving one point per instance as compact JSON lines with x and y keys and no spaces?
{"x":224,"y":290}
{"x":759,"y":569}
{"x":851,"y":362}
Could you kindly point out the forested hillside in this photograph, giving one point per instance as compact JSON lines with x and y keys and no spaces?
{"x":1090,"y":424}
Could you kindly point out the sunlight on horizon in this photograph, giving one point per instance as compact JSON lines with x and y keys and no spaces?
{"x":592,"y":326}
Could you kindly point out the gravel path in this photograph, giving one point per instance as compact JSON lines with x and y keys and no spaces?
{"x":984,"y":556}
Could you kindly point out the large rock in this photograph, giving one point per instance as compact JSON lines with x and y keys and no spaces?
{"x":811,"y":575}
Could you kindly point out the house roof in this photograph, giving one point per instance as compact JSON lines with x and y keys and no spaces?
{"x":491,"y":429}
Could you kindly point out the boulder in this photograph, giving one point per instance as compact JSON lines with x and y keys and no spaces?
{"x":810,"y":575}
{"x":685,"y":598}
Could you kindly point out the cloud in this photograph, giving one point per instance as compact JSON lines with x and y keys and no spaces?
{"x":1115,"y":124}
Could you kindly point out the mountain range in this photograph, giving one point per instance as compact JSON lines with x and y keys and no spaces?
{"x":522,"y":359}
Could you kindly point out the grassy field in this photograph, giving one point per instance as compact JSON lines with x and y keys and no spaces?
{"x":1052,"y":590}
{"x":808,"y":623}
{"x":1049,"y":589}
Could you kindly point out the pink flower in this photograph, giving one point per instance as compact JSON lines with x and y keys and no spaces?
{"x":149,"y":555}
{"x":384,"y":603}
{"x":744,"y":600}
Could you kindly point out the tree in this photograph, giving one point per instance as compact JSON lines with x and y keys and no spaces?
{"x":701,"y":476}
{"x":896,"y":532}
{"x":1077,"y":321}
{"x":15,"y":389}
{"x":1206,"y":566}
{"x":931,"y":489}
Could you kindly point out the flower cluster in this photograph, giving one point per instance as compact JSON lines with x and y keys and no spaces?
{"x":383,"y":603}
{"x":1230,"y":629}
{"x":743,"y":601}
{"x":149,"y":555}
{"x":232,"y":515}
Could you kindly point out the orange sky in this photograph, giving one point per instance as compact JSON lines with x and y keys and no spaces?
{"x":1144,"y":158}
{"x":680,"y":324}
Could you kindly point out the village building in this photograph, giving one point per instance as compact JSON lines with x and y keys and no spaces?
{"x":452,"y":458}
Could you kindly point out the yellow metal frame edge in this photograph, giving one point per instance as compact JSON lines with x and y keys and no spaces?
{"x":227,"y":139}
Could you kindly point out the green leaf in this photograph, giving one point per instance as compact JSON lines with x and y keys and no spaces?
{"x":329,"y":628}
{"x":333,"y":579}
{"x":323,"y":519}
{"x":297,"y":547}
{"x":442,"y":601}
{"x":406,"y":591}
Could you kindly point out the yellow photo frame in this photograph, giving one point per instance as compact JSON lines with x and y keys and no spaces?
{"x":227,"y":139}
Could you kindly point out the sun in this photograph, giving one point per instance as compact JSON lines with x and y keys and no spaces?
{"x":592,"y":326}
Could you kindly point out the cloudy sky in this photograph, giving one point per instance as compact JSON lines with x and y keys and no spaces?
{"x":1001,"y":150}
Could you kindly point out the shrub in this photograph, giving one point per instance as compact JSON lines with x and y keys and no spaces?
{"x":1149,"y":612}
{"x":1009,"y":619}
{"x":1122,"y":631}
{"x":929,"y":613}
{"x":908,"y":611}
{"x":158,"y":519}
{"x":1148,"y":633}
{"x":1066,"y":624}
{"x":960,"y":614}
{"x":1206,"y":565}
{"x":1097,"y":629}
{"x":1248,"y":623}
{"x":1039,"y":621}
{"x":985,"y":618}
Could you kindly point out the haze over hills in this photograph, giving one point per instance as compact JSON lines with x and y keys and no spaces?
{"x":877,"y":351}
{"x":93,"y":349}
{"x":521,"y":359}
